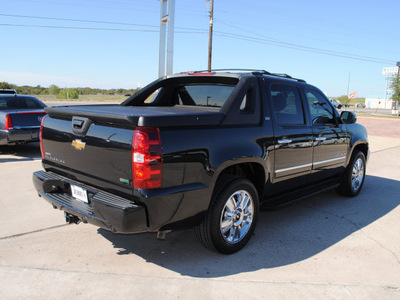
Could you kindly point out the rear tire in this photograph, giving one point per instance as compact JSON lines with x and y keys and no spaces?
{"x":353,"y":178}
{"x":231,"y":218}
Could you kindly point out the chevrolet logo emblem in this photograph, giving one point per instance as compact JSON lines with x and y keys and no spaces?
{"x":78,"y":144}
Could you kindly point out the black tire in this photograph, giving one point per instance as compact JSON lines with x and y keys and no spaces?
{"x":354,"y":176}
{"x":226,"y":209}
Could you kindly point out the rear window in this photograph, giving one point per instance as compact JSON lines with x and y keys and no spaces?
{"x":20,"y":103}
{"x":204,"y":95}
{"x":190,"y":91}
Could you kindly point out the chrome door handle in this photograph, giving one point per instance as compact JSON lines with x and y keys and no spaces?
{"x":320,"y":139}
{"x":285,"y":141}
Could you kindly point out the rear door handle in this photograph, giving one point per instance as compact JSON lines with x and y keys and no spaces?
{"x":284,"y":141}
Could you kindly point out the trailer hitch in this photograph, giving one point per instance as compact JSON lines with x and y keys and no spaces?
{"x":71,"y":219}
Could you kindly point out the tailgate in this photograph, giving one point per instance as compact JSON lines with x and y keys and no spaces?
{"x":93,"y":143}
{"x":99,"y":155}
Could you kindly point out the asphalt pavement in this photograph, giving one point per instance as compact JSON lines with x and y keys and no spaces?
{"x":324,"y":247}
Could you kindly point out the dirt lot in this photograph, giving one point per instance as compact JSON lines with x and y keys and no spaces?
{"x":381,"y":126}
{"x":325,"y":247}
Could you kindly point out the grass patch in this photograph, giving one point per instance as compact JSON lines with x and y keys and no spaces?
{"x":86,"y":98}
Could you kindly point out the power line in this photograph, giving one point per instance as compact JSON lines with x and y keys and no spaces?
{"x":261,"y":40}
{"x":92,"y":28}
{"x":80,"y":4}
{"x":303,"y":48}
{"x":77,"y":20}
{"x":279,"y":43}
{"x":95,"y":21}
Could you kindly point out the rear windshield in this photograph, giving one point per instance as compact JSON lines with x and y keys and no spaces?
{"x":20,"y":103}
{"x":210,"y":92}
{"x":203,"y":95}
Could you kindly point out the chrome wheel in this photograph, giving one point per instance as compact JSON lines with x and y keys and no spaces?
{"x":237,"y":217}
{"x":357,"y":175}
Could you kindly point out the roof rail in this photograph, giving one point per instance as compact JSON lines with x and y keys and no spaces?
{"x":253,"y":71}
{"x":230,"y":70}
{"x":287,"y":76}
{"x":8,"y":91}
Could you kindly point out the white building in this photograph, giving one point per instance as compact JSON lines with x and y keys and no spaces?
{"x":379,"y":103}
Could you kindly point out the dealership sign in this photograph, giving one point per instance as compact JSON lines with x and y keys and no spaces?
{"x":390,"y":71}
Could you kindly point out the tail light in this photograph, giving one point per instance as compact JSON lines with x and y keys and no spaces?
{"x":9,"y":124}
{"x":147,"y":161}
{"x":41,"y":136}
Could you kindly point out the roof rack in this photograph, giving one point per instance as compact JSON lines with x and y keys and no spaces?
{"x":8,"y":91}
{"x":287,"y":76}
{"x":253,"y":71}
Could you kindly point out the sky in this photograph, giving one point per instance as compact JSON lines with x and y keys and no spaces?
{"x":339,"y":46}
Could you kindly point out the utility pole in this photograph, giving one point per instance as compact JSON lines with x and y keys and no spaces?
{"x":348,"y":85}
{"x":210,"y":33}
{"x":396,"y":103}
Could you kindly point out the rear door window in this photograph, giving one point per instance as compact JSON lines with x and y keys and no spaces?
{"x":287,"y":105}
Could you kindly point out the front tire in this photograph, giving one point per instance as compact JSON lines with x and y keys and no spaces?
{"x":231,"y":218}
{"x":353,"y":178}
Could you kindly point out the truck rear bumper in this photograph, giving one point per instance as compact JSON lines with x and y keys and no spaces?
{"x":19,"y":136}
{"x":103,"y":209}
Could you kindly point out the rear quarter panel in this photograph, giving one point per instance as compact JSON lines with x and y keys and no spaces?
{"x":199,"y":155}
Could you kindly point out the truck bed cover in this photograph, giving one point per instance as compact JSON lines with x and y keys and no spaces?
{"x":160,"y":116}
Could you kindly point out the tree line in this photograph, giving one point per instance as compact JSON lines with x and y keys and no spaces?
{"x":64,"y":93}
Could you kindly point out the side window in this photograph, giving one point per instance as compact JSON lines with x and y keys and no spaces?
{"x":287,"y":105}
{"x":153,"y":96}
{"x":30,"y":103}
{"x":3,"y":104}
{"x":320,"y":110}
{"x":247,"y":104}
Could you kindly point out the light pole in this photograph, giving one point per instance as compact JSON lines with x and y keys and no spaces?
{"x":167,"y":16}
{"x":210,"y":33}
{"x":398,"y":72}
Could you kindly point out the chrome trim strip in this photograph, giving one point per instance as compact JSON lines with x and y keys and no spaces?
{"x":293,"y":168}
{"x":26,"y":127}
{"x":320,"y":139}
{"x":285,"y":141}
{"x":329,"y":160}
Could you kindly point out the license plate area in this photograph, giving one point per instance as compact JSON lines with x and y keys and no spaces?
{"x":79,"y":193}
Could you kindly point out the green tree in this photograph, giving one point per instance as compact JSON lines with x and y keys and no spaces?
{"x":73,"y":93}
{"x":68,"y":94}
{"x":53,"y":89}
{"x":395,"y":87}
{"x":5,"y":85}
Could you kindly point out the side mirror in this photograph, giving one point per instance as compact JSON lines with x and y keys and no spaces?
{"x":348,"y":117}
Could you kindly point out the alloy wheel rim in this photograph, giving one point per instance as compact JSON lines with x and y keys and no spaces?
{"x":357,"y":175}
{"x":237,"y":217}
